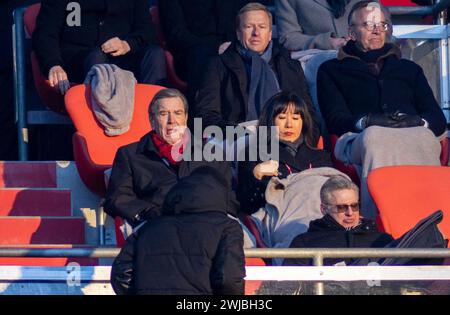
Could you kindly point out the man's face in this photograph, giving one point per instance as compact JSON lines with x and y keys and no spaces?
{"x":367,"y":28}
{"x":343,"y":204}
{"x":255,"y":31}
{"x":171,"y":119}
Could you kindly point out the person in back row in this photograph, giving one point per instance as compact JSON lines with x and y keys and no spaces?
{"x":72,"y":36}
{"x":237,"y":84}
{"x":193,"y":248}
{"x":384,"y":101}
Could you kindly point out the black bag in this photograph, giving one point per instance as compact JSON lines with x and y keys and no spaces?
{"x":425,"y":234}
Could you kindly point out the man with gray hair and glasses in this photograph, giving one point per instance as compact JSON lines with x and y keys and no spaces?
{"x":342,"y":225}
{"x":380,"y":105}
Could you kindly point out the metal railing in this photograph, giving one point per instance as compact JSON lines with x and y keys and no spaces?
{"x":317,"y":254}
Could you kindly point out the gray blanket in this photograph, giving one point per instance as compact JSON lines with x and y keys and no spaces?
{"x":379,"y":146}
{"x":112,"y":97}
{"x":291,"y":204}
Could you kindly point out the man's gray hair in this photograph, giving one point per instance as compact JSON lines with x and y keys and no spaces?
{"x":365,"y":4}
{"x":333,"y":184}
{"x":166,"y":93}
{"x":252,"y":6}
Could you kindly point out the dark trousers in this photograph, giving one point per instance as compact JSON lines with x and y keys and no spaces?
{"x":148,"y":64}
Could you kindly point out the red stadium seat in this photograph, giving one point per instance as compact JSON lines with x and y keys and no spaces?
{"x":406,"y":194}
{"x":406,"y":3}
{"x":94,"y":152}
{"x":49,"y":95}
{"x":172,"y":78}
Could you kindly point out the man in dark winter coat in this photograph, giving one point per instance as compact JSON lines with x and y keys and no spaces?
{"x":196,"y":30}
{"x":236,"y":84}
{"x":384,"y":100}
{"x":369,"y":78}
{"x":69,"y":40}
{"x":143,"y":172}
{"x":193,"y":248}
{"x":341,"y":227}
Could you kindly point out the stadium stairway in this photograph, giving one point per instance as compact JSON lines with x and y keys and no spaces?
{"x":45,"y":205}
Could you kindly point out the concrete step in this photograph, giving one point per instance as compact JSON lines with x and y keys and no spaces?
{"x":35,"y":202}
{"x":42,"y":230}
{"x":28,"y":174}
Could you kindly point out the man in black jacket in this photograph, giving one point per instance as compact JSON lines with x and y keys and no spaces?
{"x":369,"y":79}
{"x":236,"y":84}
{"x":196,"y":30}
{"x":143,"y":172}
{"x":384,"y":100}
{"x":193,"y":248}
{"x":341,"y":227}
{"x":72,"y":36}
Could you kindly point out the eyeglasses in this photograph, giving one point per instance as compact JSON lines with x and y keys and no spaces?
{"x":370,"y":26}
{"x":343,"y":207}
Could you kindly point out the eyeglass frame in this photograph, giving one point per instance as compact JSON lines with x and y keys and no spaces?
{"x":356,"y":207}
{"x":382,"y":26}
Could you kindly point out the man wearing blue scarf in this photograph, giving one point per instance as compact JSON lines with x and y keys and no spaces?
{"x":236,"y":84}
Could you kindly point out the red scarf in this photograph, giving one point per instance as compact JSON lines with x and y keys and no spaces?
{"x":164,"y":149}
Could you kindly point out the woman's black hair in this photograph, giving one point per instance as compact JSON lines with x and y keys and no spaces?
{"x":278,"y":104}
{"x":338,"y":7}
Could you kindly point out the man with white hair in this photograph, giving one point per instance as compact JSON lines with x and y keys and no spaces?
{"x":144,"y":171}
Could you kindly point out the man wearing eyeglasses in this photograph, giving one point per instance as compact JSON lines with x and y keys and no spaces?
{"x":384,"y":101}
{"x":342,"y":225}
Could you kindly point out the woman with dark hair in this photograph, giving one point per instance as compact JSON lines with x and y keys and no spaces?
{"x":298,"y":137}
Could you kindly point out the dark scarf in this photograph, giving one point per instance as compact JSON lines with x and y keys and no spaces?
{"x":263,"y":80}
{"x":164,"y":149}
{"x":338,"y":7}
{"x":292,"y":147}
{"x":373,"y":58}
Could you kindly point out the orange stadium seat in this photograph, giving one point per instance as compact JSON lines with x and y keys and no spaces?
{"x":94,"y":152}
{"x":172,"y":78}
{"x":49,"y":96}
{"x":406,"y":194}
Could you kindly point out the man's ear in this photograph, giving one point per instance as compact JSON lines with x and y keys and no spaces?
{"x":323,"y":209}
{"x":351,"y":34}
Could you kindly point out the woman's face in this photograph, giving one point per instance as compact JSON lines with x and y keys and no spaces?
{"x":289,"y":124}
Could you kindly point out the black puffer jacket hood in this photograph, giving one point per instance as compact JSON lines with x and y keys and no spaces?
{"x":204,"y":190}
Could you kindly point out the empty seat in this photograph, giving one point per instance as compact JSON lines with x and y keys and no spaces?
{"x":406,"y":194}
{"x":94,"y":152}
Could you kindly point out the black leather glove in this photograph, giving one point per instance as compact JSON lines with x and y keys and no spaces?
{"x":393,"y":120}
